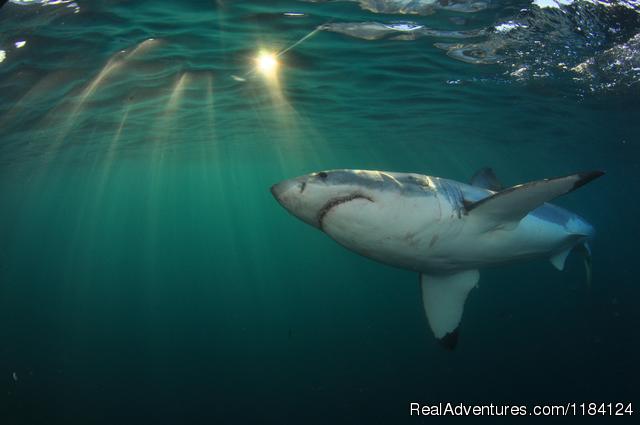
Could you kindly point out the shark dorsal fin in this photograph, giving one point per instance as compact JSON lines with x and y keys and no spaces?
{"x":486,"y":178}
{"x":512,"y":204}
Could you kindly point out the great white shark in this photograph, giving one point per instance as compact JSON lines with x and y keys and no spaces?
{"x":443,"y":229}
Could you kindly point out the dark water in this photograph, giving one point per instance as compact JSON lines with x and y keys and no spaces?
{"x":147,"y":276}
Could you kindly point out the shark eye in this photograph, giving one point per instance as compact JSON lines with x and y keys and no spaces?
{"x":322,"y":175}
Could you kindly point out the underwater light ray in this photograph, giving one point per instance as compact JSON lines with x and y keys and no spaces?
{"x":108,"y":161}
{"x":266,"y":63}
{"x":176,"y":94}
{"x":166,"y":123}
{"x":116,"y":62}
{"x":210,"y":107}
{"x":76,"y":102}
{"x":116,"y":137}
{"x":157,"y":167}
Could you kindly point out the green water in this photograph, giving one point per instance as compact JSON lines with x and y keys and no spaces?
{"x":148,"y":276}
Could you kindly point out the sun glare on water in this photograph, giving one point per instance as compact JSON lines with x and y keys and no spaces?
{"x":266,"y":63}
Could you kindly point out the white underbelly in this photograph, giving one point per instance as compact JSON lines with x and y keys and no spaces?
{"x":532,"y":238}
{"x":450,"y":244}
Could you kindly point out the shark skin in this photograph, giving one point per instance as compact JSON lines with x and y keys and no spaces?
{"x":443,"y":229}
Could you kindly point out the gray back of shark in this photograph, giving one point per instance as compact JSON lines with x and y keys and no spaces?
{"x":443,"y":229}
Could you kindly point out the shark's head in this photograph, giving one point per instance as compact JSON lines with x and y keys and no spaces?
{"x":385,"y":216}
{"x":311,"y":197}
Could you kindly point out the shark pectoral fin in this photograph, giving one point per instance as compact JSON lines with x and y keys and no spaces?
{"x":512,"y":204}
{"x":560,"y":258}
{"x":443,"y":297}
{"x":486,"y":178}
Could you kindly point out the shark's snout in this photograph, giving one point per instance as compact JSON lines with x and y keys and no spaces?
{"x":279,"y":190}
{"x":275,"y":191}
{"x":299,"y":198}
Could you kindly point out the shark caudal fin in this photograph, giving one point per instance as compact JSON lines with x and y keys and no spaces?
{"x":585,"y":250}
{"x":507,"y":207}
{"x":443,"y":297}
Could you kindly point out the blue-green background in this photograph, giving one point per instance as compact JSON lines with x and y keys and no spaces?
{"x":147,"y":276}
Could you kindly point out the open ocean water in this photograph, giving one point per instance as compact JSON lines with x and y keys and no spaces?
{"x":147,"y":275}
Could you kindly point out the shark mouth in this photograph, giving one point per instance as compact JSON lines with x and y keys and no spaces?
{"x":334,"y":203}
